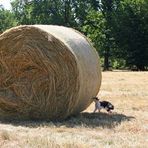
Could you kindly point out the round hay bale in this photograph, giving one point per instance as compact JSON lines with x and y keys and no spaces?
{"x":46,"y":72}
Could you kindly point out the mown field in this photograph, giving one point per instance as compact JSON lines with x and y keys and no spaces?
{"x":127,"y":127}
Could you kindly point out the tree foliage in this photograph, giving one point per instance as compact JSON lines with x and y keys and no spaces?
{"x":130,"y":30}
{"x":97,"y":26}
{"x":117,"y":28}
{"x":7,"y":19}
{"x":120,"y":31}
{"x":60,"y":12}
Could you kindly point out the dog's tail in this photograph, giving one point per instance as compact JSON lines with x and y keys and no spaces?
{"x":95,"y":98}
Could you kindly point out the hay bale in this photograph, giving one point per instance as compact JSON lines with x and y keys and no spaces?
{"x":46,"y":72}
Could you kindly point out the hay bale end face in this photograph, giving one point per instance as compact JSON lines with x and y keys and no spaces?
{"x":46,"y":72}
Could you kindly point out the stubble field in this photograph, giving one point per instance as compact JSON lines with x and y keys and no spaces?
{"x":127,"y":127}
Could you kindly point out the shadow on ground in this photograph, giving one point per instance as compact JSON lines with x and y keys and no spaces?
{"x":84,"y":119}
{"x":104,"y":120}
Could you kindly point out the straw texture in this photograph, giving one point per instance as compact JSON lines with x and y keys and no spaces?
{"x":46,"y":72}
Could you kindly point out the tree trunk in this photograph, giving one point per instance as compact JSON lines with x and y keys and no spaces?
{"x":140,"y":67}
{"x":67,"y":12}
{"x":106,"y":60}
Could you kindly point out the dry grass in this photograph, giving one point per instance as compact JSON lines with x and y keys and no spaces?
{"x":127,"y":127}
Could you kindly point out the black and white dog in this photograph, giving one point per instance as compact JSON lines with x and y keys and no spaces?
{"x":102,"y":105}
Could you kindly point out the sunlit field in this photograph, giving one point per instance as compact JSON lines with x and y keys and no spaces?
{"x":126,"y":127}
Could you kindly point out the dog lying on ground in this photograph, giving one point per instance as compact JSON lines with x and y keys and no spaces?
{"x":102,"y":105}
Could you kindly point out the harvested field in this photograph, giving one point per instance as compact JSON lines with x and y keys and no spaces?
{"x":127,"y":127}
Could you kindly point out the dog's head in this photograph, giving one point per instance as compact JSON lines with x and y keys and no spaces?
{"x":110,"y":107}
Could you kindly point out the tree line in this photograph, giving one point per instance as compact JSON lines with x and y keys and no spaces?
{"x":117,"y":28}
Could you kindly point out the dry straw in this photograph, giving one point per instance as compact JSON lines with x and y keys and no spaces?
{"x":46,"y":72}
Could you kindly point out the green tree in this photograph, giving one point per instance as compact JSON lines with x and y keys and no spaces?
{"x":98,"y":28}
{"x":60,"y":12}
{"x":130,"y":30}
{"x":119,"y":29}
{"x":7,"y":19}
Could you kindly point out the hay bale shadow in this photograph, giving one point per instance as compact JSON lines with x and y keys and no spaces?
{"x":84,"y":119}
{"x":94,"y":120}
